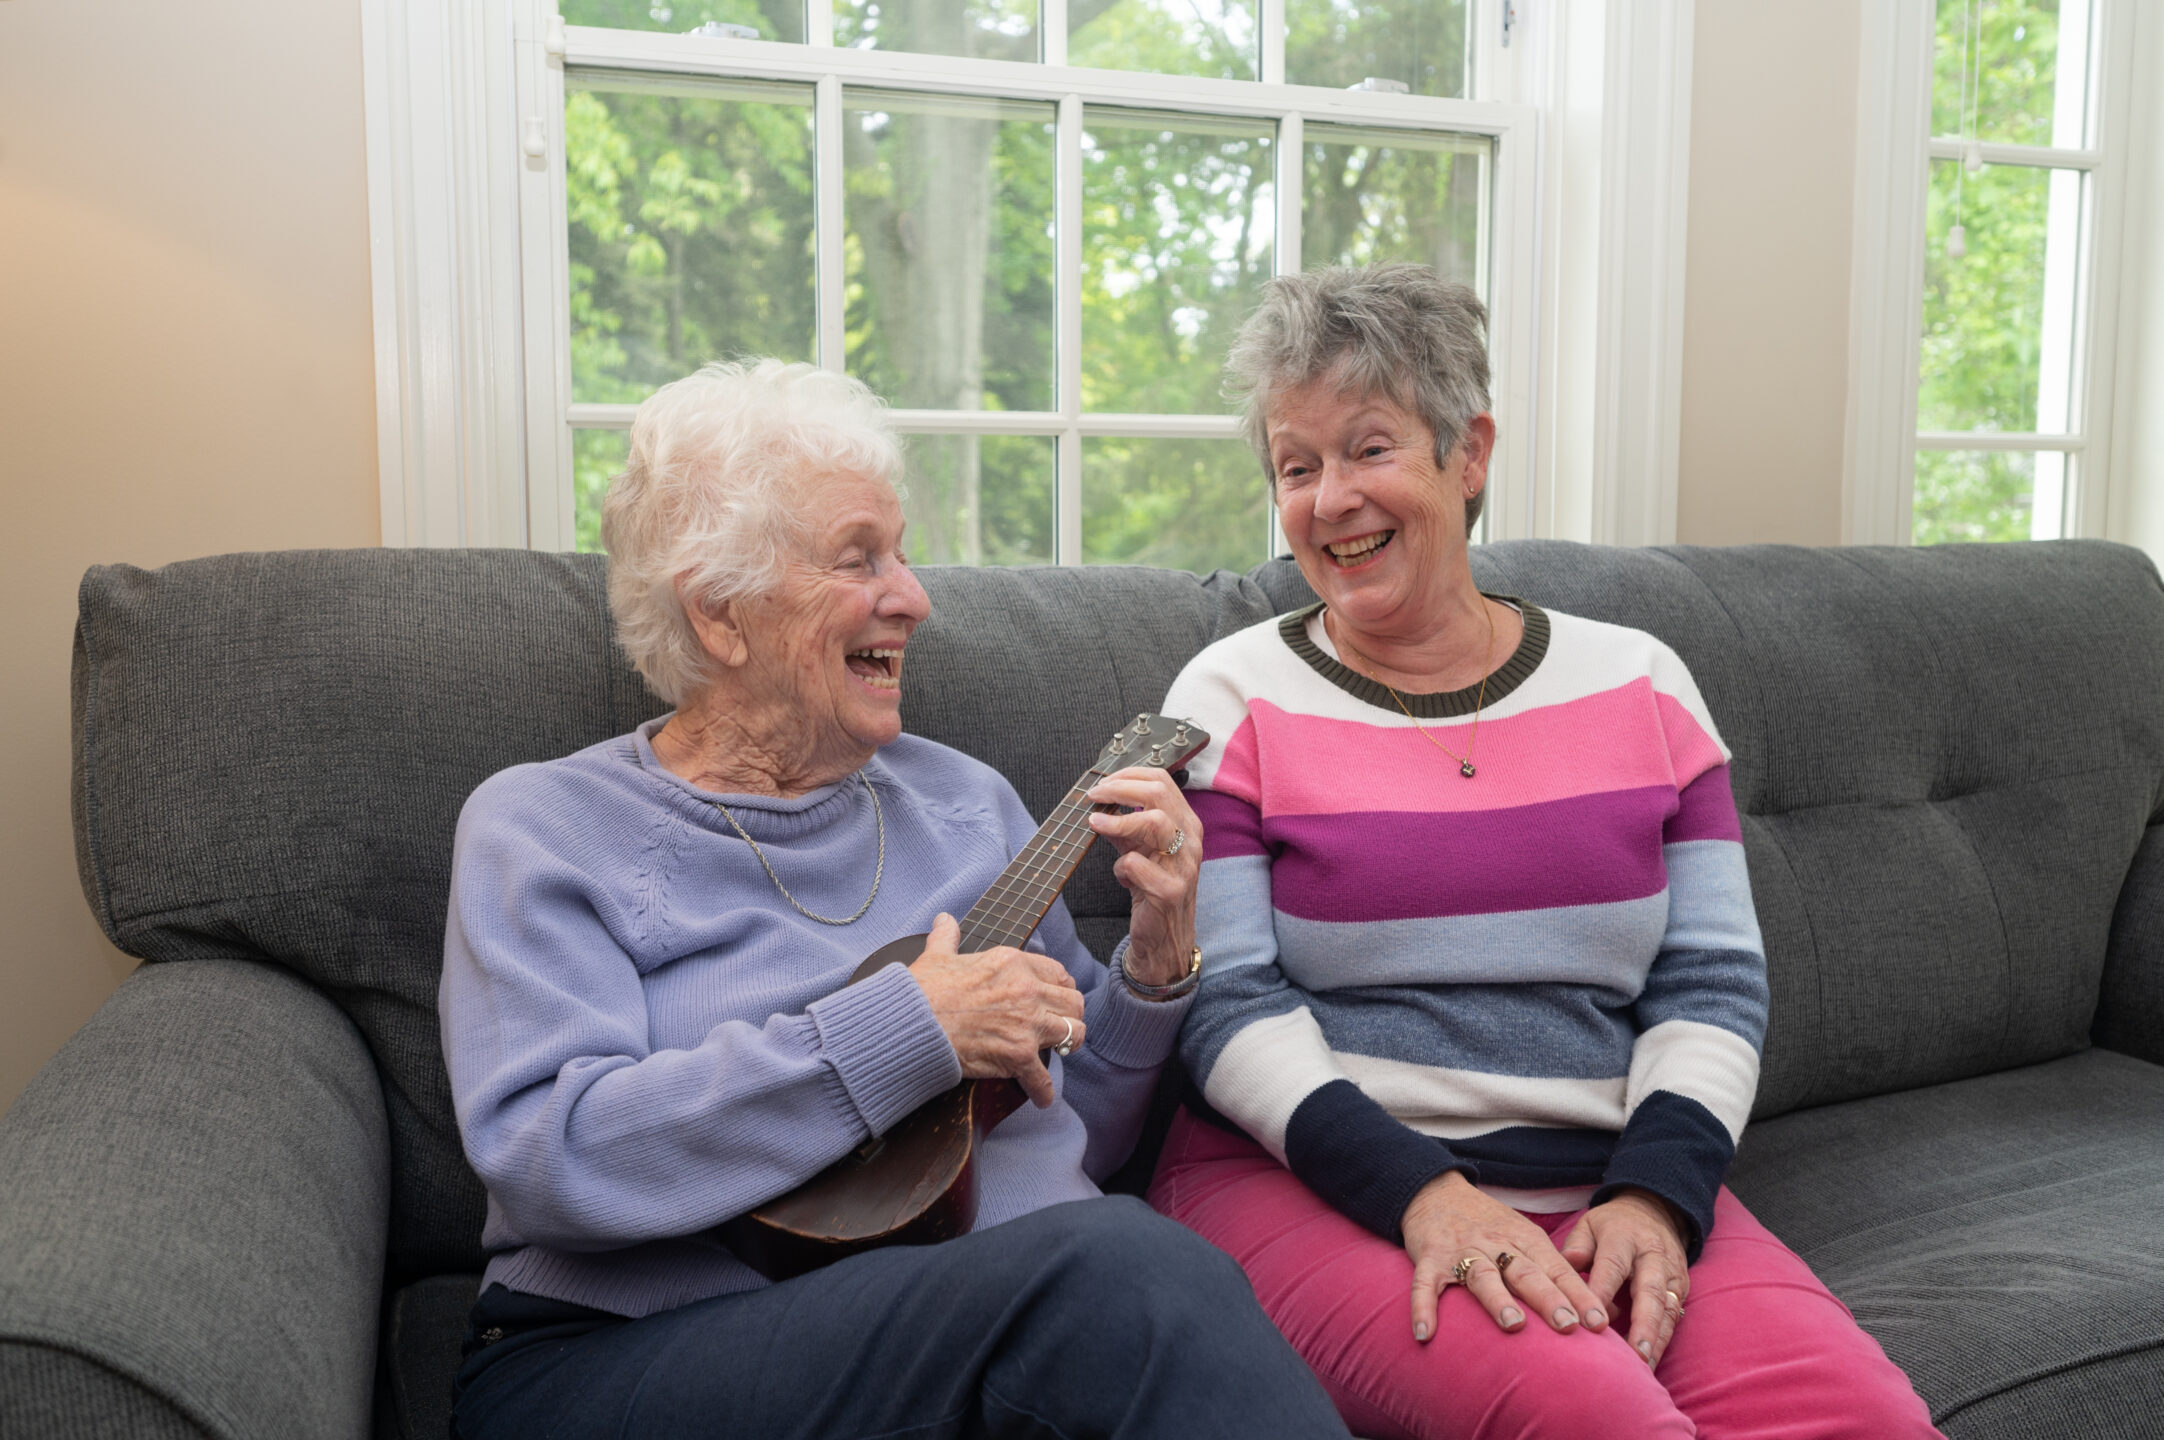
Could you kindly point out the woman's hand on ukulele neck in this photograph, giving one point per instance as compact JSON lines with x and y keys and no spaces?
{"x":999,"y":1007}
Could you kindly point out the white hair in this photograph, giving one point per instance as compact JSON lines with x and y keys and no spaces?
{"x":710,"y":497}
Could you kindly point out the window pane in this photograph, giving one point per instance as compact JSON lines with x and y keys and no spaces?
{"x":597,"y":457}
{"x":1188,"y":504}
{"x":1339,"y":43}
{"x":979,"y":499}
{"x":1988,"y":495}
{"x":1166,"y":37}
{"x":2012,"y":72}
{"x":690,"y":211}
{"x":1377,"y":195}
{"x":986,"y":29}
{"x":1178,"y":222}
{"x":1999,"y":319}
{"x":773,"y":19}
{"x":950,"y":259}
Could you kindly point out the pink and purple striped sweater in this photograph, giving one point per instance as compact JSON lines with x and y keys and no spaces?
{"x":1548,"y":976}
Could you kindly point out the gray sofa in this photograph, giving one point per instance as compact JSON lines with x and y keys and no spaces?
{"x":234,"y":1205}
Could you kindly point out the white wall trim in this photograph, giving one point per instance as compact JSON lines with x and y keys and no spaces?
{"x":1886,"y":275}
{"x":1612,"y":81}
{"x":443,"y":221}
{"x":1644,"y":221}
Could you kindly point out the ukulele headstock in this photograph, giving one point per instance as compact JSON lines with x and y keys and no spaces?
{"x":1157,"y":740}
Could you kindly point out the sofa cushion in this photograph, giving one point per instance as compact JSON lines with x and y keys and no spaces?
{"x":1993,"y":1234}
{"x":1946,"y":759}
{"x":272,"y":750}
{"x":424,"y":1329}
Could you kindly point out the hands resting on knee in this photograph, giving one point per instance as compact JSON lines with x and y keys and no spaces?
{"x":1633,"y":1240}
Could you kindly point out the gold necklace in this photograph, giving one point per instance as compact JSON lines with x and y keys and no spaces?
{"x":1465,"y":761}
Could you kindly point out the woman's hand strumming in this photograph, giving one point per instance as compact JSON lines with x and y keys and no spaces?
{"x":1449,"y":1221}
{"x":1160,"y":845}
{"x":1634,"y":1239}
{"x":999,"y":1007}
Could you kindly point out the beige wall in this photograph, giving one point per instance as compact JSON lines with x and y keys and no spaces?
{"x":1765,"y":331}
{"x":185,"y":368}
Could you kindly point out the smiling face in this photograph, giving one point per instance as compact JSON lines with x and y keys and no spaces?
{"x":823,"y":649}
{"x":1375,"y":525}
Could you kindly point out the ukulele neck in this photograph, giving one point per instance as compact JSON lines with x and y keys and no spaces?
{"x":1010,"y":911}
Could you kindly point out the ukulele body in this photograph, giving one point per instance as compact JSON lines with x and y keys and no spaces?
{"x":914,"y":1185}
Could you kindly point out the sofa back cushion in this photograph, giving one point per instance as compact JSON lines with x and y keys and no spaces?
{"x":272,"y":750}
{"x":1945,"y":760}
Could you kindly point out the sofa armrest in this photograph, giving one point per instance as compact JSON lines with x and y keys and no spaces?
{"x":2130,"y":1009}
{"x":193,"y":1199}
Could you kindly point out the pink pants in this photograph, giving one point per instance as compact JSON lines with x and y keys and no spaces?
{"x":1764,"y":1351}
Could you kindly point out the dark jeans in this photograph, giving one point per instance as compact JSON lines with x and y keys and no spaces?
{"x":1094,"y":1318}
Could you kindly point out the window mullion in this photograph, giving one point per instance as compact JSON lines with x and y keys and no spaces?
{"x":819,"y":22}
{"x":827,"y":222}
{"x":1067,"y":335}
{"x":1270,"y":41}
{"x":1052,"y":31}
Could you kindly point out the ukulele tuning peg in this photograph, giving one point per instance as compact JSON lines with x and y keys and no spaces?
{"x":1179,"y":734}
{"x":1157,"y":754}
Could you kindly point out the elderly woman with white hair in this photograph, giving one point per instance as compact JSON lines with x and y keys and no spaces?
{"x":650,"y":1030}
{"x":1482,"y":1020}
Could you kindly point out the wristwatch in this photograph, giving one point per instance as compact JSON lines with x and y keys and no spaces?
{"x":1176,"y":989}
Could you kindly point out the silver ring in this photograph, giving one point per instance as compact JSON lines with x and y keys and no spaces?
{"x":1179,"y":838}
{"x":1066,"y":1044}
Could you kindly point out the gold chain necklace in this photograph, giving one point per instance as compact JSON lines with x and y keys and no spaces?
{"x":878,"y":817}
{"x":1465,"y":761}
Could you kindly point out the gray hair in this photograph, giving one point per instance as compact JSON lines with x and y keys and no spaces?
{"x":1397,"y":331}
{"x":709,"y":497}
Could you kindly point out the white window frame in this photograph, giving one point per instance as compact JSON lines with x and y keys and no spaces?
{"x":1587,"y":101}
{"x":1894,"y":151}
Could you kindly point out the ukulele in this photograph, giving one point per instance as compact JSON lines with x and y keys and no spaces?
{"x":917,"y":1184}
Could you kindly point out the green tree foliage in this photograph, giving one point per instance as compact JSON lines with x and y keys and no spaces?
{"x":1339,"y":43}
{"x":690,"y":209}
{"x":1983,"y":310}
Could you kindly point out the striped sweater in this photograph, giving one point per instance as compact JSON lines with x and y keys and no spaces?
{"x":1548,"y":976}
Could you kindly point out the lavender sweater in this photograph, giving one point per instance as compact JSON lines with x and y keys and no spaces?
{"x":644,"y":1039}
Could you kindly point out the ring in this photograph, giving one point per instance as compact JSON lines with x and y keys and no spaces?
{"x":1463,"y":1268}
{"x":1066,"y":1048}
{"x":1179,"y":838}
{"x":1502,"y":1261}
{"x":1675,"y":1302}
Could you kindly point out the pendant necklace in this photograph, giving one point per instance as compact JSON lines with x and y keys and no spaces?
{"x":1465,"y":761}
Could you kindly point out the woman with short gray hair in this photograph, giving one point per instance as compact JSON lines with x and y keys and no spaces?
{"x":1486,"y":994}
{"x":651,"y":1026}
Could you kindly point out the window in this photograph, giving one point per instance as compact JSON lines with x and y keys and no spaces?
{"x":2011,"y":214}
{"x":1032,"y":226}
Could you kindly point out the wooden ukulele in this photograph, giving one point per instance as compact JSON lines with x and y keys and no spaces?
{"x":917,"y":1184}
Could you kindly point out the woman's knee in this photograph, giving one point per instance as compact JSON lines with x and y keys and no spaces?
{"x":1120,"y":1257}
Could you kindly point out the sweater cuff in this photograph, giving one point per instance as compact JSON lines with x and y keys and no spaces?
{"x":1127,"y":1030}
{"x":1367,"y":1163}
{"x":886,"y":1046}
{"x":1674,"y":1148}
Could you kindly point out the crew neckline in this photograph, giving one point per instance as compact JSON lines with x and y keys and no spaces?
{"x":1515,"y":670}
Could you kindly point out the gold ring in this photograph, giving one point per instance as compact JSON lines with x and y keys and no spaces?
{"x":1463,"y":1268}
{"x":1675,"y":1302}
{"x":1502,"y":1261}
{"x":1179,"y":838}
